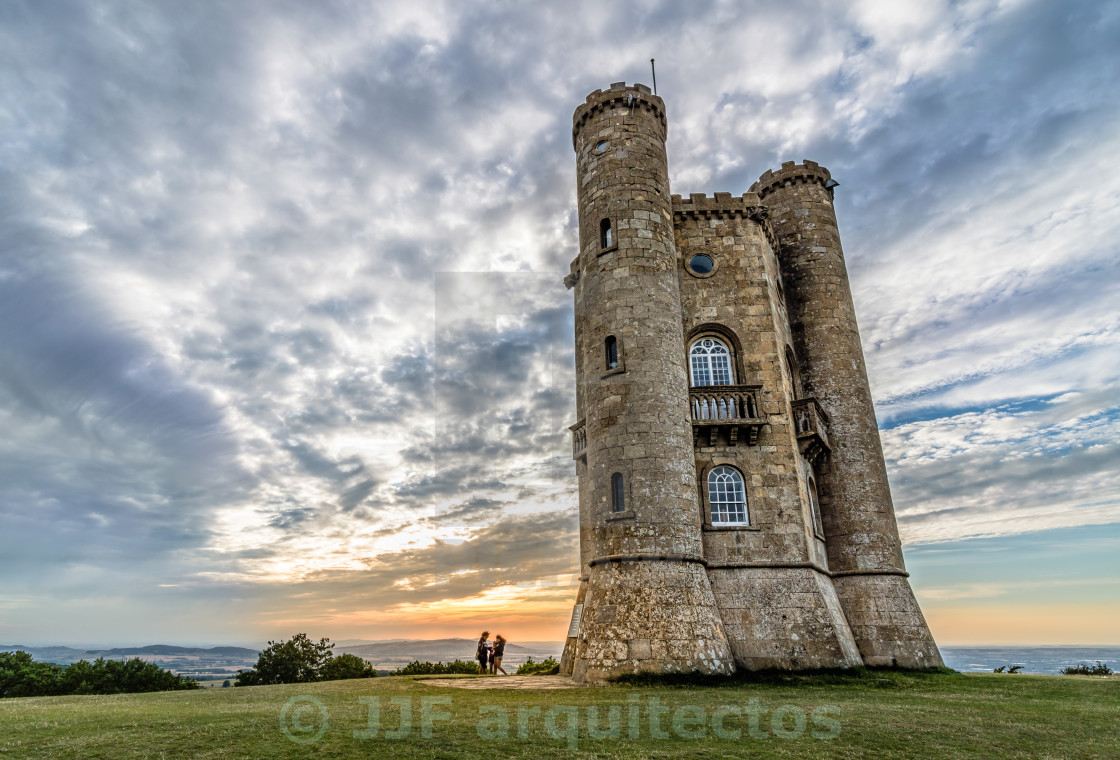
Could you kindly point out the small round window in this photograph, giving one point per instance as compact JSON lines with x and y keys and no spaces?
{"x":701,"y":263}
{"x":601,"y":146}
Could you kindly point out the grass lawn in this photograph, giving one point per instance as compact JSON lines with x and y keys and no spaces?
{"x":871,"y":715}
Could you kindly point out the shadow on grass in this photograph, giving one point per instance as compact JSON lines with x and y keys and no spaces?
{"x":880,"y":677}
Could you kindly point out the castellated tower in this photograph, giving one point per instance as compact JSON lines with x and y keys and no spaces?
{"x":647,"y":599}
{"x":733,"y":500}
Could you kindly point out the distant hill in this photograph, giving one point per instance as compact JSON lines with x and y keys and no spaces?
{"x":225,"y":661}
{"x":166,"y":650}
{"x":47,"y":654}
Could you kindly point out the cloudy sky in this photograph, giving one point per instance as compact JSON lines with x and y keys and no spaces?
{"x":284,"y":345}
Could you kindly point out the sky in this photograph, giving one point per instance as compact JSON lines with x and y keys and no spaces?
{"x":284,"y":344}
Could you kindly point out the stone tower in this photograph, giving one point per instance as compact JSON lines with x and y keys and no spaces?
{"x":734,"y":506}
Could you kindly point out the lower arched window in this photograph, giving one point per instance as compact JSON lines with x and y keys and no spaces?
{"x":727,"y":496}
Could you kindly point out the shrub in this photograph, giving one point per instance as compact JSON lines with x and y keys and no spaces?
{"x":456,"y":667}
{"x":21,"y":676}
{"x":1100,"y":669}
{"x":346,"y":666}
{"x":546,"y":667}
{"x":298,"y":660}
{"x":1008,"y":669}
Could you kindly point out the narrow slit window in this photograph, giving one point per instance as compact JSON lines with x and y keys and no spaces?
{"x":815,"y":506}
{"x":612,"y":352}
{"x":618,"y":495}
{"x":606,"y":235}
{"x":794,"y":373}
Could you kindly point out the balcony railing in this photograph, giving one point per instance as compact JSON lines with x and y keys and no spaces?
{"x":725,"y":411}
{"x":811,"y":423}
{"x":579,"y":440}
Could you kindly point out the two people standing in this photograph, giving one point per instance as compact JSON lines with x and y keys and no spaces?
{"x":489,"y":654}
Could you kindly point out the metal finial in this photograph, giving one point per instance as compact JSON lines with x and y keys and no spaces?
{"x":653,"y":71}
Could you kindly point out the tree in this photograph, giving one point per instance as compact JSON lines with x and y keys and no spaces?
{"x":346,"y":666}
{"x":21,"y":676}
{"x":298,"y":660}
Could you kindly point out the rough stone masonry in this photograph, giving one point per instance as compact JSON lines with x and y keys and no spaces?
{"x":733,"y":498}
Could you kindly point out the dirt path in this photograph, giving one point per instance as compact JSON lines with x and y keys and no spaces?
{"x":534,"y":683}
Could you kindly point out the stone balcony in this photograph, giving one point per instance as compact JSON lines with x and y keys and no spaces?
{"x":811,"y":423}
{"x":725,"y":413}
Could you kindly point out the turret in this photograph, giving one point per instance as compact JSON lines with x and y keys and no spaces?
{"x":644,"y":590}
{"x":864,"y":551}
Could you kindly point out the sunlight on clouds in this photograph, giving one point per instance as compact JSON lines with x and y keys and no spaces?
{"x":552,"y":596}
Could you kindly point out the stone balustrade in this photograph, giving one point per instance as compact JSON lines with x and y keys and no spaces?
{"x":725,"y":411}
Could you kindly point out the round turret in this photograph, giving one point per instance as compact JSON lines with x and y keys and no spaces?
{"x":864,"y":550}
{"x":641,"y":544}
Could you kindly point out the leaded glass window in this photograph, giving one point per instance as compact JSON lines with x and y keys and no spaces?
{"x":727,"y":496}
{"x":710,"y":362}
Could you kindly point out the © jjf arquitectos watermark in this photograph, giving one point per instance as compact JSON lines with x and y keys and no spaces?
{"x":304,"y":719}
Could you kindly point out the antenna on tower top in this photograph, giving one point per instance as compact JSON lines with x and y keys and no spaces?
{"x":653,"y":71}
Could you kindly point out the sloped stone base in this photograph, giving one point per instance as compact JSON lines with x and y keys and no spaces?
{"x":786,"y":618}
{"x":655,"y":615}
{"x":886,"y":622}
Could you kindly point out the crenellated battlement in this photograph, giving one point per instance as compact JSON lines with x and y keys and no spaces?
{"x":725,"y":205}
{"x":618,"y":96}
{"x":748,"y":204}
{"x":790,"y":173}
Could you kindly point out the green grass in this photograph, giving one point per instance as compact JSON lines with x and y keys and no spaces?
{"x":877,"y":714}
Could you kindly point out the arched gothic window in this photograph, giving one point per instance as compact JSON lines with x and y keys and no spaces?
{"x":606,"y":236}
{"x":710,"y":363}
{"x":727,"y":497}
{"x":617,"y":493}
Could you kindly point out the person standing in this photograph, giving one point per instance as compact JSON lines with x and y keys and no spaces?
{"x":499,"y":650}
{"x":482,"y":653}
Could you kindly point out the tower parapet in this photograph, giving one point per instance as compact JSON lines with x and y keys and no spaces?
{"x":791,"y":173}
{"x":725,"y":206}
